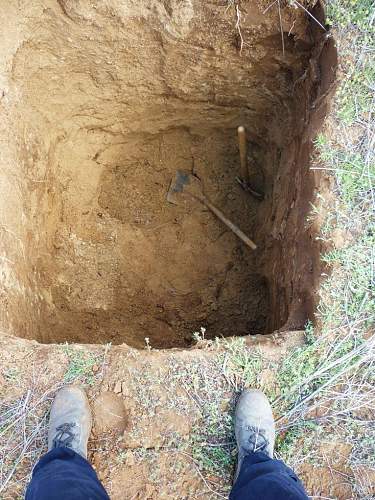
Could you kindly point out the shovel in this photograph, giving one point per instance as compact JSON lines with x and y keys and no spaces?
{"x":185,"y":186}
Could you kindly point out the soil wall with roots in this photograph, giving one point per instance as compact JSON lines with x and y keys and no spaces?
{"x":100,"y":103}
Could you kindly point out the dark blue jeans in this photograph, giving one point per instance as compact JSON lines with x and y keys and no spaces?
{"x":62,"y":474}
{"x":263,"y":478}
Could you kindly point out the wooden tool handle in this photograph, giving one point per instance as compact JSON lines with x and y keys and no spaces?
{"x":228,"y":223}
{"x":242,"y":143}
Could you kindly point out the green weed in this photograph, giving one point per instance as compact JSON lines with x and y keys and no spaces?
{"x":309,"y":333}
{"x":354,"y":14}
{"x":212,"y":458}
{"x":11,"y":374}
{"x":241,"y":363}
{"x":80,"y":368}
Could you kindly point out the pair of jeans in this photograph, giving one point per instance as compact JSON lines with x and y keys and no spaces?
{"x":264,"y":478}
{"x":62,"y":474}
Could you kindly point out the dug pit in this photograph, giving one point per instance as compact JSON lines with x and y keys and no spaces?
{"x":101,"y":104}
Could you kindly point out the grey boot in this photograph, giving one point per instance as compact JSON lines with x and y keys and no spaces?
{"x":254,"y":426}
{"x":70,"y":420}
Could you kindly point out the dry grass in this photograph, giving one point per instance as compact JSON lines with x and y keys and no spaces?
{"x":23,"y":435}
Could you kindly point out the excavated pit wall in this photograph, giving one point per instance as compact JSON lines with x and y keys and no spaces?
{"x":101,"y":103}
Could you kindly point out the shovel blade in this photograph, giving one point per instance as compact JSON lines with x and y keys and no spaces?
{"x":175,"y":193}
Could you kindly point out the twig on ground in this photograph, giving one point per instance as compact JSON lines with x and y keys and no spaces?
{"x":309,"y":13}
{"x":238,"y":26}
{"x":281,"y":26}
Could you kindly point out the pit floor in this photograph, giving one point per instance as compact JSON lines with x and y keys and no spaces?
{"x":129,"y":265}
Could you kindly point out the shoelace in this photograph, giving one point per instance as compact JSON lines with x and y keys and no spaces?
{"x":257,"y":439}
{"x":64,"y":430}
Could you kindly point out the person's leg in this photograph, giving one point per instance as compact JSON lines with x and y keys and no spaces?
{"x":64,"y":472}
{"x":263,"y":478}
{"x":259,"y":476}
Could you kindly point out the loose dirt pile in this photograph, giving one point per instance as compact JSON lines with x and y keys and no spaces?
{"x":101,"y":104}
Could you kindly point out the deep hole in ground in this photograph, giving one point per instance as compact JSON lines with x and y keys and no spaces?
{"x":102,"y":104}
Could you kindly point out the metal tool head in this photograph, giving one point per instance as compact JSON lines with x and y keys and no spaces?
{"x":184,"y":186}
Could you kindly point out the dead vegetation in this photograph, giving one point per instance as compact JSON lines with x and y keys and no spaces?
{"x":23,"y":435}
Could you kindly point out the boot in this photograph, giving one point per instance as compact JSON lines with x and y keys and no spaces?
{"x":70,"y":420}
{"x":254,"y":426}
